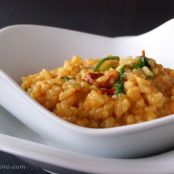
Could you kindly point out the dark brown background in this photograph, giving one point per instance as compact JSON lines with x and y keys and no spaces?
{"x":104,"y":17}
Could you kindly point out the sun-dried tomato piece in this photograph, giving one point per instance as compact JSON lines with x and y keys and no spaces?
{"x":110,"y":91}
{"x":91,"y":76}
{"x":95,"y":75}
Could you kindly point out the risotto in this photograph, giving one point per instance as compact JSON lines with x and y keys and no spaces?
{"x":106,"y":92}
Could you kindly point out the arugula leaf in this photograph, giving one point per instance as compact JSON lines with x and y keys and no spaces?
{"x":143,"y":61}
{"x":119,"y":86}
{"x":97,"y":66}
{"x":140,"y":63}
{"x":122,"y":70}
{"x":144,"y":64}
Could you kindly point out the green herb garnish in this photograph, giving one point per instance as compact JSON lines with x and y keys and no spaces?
{"x":144,"y":64}
{"x":97,"y":67}
{"x":140,"y":63}
{"x":119,"y":86}
{"x":143,"y":61}
{"x":66,"y":78}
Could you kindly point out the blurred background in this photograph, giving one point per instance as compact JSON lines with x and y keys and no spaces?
{"x":103,"y":17}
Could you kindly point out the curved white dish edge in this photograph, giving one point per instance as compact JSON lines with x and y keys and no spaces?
{"x":164,"y":161}
{"x":47,"y":156}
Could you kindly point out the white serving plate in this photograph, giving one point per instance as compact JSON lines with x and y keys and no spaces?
{"x":26,"y":49}
{"x":19,"y":140}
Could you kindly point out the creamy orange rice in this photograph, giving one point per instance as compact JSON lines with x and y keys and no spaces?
{"x":97,"y":94}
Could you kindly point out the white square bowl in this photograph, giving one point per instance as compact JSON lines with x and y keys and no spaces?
{"x":26,"y":49}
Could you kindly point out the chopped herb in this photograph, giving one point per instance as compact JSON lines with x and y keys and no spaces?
{"x":122,"y":70}
{"x":143,"y":61}
{"x":119,"y":86}
{"x":66,"y":78}
{"x":140,"y":63}
{"x":144,"y":64}
{"x":97,"y":67}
